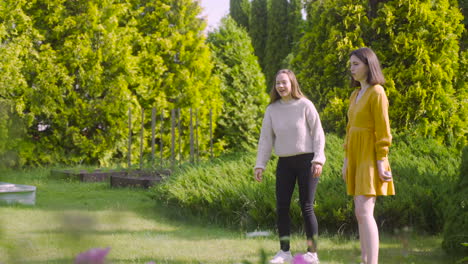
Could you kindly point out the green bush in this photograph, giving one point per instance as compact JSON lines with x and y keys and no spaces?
{"x":224,"y":190}
{"x":456,"y":225}
{"x":424,"y":171}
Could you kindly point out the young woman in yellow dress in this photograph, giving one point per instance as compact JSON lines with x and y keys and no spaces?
{"x":366,"y":170}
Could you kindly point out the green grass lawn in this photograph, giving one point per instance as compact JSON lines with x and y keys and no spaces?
{"x":72,"y":217}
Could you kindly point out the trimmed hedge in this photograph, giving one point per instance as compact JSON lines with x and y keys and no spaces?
{"x":456,"y":225}
{"x":225,"y":191}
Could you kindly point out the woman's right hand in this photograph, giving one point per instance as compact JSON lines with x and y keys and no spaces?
{"x":258,"y":174}
{"x":343,"y":170}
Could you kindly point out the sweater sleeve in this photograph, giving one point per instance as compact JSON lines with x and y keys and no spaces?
{"x":265,"y":143}
{"x":317,"y":134}
{"x":383,"y":138}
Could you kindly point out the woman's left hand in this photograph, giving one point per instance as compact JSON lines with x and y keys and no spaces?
{"x":384,"y":175}
{"x":316,"y":170}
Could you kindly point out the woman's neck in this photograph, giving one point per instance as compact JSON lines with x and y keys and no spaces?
{"x":286,"y":99}
{"x":364,"y":85}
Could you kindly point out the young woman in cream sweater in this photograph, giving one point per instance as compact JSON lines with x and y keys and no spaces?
{"x":292,"y":127}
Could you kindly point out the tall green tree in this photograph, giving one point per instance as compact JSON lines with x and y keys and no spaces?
{"x":258,"y":29}
{"x":35,"y":88}
{"x":463,"y":5}
{"x":79,"y":119}
{"x":296,"y":31}
{"x":240,"y":12}
{"x":176,"y":64}
{"x":242,"y":86}
{"x":422,"y":64}
{"x":334,"y":28}
{"x":16,"y":46}
{"x":279,"y":38}
{"x":418,"y":45}
{"x":79,"y":66}
{"x":295,"y":21}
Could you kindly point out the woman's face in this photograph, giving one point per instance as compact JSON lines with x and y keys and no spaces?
{"x":283,"y":86}
{"x":359,"y":70}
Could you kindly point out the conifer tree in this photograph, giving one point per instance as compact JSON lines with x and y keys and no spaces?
{"x":78,"y":67}
{"x":242,"y":86}
{"x":334,"y":28}
{"x":279,"y":38}
{"x":422,"y":62}
{"x":295,"y":21}
{"x":240,"y":12}
{"x":176,"y":64}
{"x":258,"y":29}
{"x":418,"y":45}
{"x":85,"y":119}
{"x":17,"y":34}
{"x":463,"y":5}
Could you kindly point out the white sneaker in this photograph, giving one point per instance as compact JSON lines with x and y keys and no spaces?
{"x":311,"y":258}
{"x":281,"y":257}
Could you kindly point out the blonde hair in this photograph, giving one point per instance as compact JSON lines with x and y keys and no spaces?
{"x":296,"y":92}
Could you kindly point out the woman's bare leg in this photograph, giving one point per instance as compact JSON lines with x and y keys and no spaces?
{"x":368,"y":232}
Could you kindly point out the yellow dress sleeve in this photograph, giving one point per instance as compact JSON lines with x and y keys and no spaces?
{"x":379,"y":110}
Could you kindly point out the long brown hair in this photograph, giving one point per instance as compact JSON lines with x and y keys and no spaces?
{"x":367,"y":56}
{"x":296,"y":92}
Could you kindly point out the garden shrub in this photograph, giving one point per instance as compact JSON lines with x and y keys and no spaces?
{"x":456,"y":225}
{"x":424,"y":171}
{"x":225,"y":191}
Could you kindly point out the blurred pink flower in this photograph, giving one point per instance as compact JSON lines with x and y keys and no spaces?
{"x":93,"y":256}
{"x":298,"y":259}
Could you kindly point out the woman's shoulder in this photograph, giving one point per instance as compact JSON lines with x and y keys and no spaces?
{"x":354,"y":92}
{"x":272,"y":106}
{"x":378,"y":89}
{"x":305,"y":101}
{"x":377,"y":92}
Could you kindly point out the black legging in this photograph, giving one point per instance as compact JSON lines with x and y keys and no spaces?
{"x":287,"y":171}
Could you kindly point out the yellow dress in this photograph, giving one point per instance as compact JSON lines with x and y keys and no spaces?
{"x":367,"y":140}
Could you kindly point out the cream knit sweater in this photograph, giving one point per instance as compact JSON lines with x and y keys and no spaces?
{"x":292,"y":128}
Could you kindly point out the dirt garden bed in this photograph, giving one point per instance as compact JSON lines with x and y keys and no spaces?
{"x":139,"y":178}
{"x":117,"y":178}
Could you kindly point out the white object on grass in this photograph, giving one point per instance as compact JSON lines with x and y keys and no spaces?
{"x":17,"y":193}
{"x":258,"y":234}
